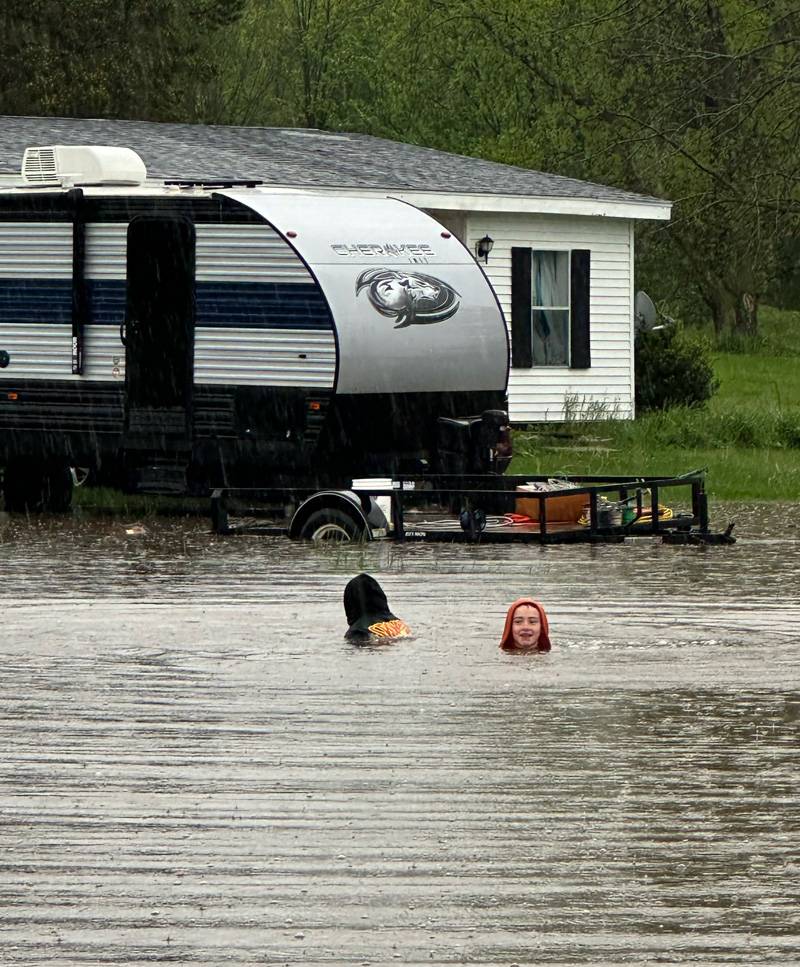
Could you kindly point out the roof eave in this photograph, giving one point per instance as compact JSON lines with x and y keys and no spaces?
{"x":650,"y":209}
{"x":656,"y":209}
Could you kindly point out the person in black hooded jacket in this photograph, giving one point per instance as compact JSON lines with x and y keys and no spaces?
{"x":368,"y":614}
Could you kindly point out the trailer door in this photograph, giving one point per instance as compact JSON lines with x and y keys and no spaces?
{"x":159,"y":334}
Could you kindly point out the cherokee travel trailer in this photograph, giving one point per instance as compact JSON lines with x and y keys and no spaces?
{"x":175,"y":336}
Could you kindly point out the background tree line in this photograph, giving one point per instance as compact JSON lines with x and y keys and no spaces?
{"x":693,"y":100}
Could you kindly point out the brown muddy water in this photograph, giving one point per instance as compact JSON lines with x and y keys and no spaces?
{"x":197,"y":768}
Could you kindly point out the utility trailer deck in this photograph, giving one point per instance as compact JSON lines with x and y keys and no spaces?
{"x":475,"y":509}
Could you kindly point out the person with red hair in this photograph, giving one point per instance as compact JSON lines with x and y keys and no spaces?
{"x":526,"y":627}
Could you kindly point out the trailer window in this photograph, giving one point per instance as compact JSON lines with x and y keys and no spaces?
{"x":550,"y":308}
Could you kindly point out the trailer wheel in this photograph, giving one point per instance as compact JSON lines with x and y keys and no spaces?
{"x":33,"y":488}
{"x":331,"y":524}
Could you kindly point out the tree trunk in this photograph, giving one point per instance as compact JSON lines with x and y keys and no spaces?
{"x":732,"y":310}
{"x":746,"y":316}
{"x":722,"y":309}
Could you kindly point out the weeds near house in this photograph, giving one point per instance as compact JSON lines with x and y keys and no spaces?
{"x":578,"y":409}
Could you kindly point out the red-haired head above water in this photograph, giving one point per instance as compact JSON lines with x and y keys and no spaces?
{"x":530,"y":632}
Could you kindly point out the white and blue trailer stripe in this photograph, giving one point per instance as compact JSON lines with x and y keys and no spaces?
{"x":261,"y":318}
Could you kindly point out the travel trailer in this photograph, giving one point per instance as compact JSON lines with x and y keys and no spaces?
{"x":176,"y":336}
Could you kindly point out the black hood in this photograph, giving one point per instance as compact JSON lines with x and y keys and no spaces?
{"x":365,"y":603}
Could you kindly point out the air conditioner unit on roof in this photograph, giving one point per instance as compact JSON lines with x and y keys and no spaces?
{"x":82,"y":165}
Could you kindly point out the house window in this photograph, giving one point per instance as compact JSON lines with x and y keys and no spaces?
{"x":550,"y":308}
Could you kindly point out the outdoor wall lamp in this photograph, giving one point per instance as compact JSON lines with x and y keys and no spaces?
{"x":483,"y":246}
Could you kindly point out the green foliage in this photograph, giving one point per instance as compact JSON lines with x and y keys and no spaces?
{"x":695,"y":101}
{"x":673,"y":368}
{"x":309,"y":63}
{"x":152,"y":59}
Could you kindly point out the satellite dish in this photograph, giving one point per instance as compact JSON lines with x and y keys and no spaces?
{"x":644,"y":312}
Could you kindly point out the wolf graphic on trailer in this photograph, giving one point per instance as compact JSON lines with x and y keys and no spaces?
{"x":409,"y":297}
{"x":179,"y":336}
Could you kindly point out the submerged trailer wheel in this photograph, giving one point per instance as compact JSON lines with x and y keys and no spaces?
{"x":332,"y":524}
{"x":32,"y":488}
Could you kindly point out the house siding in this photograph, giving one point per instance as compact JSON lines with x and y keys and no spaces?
{"x":546,"y":393}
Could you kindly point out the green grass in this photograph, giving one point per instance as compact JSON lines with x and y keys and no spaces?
{"x":778,"y":335}
{"x":106,"y":500}
{"x":779,"y":331}
{"x":758,"y":381}
{"x":733,"y":474}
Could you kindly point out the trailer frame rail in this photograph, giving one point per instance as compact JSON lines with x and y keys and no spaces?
{"x":472,"y":495}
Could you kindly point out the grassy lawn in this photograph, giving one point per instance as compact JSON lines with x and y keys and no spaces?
{"x":733,"y":473}
{"x":756,"y":381}
{"x":748,"y":437}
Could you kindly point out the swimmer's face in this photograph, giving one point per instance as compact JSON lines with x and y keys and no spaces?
{"x":526,"y":626}
{"x":397,"y":292}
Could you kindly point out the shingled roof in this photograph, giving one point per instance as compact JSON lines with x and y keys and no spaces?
{"x":298,"y":157}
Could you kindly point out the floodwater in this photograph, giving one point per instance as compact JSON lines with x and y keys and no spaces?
{"x":196,"y":768}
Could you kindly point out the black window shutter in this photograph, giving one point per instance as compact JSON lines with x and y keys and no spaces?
{"x":521,"y":348}
{"x":579,"y":342}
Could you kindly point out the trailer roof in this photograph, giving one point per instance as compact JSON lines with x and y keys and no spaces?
{"x":305,"y":158}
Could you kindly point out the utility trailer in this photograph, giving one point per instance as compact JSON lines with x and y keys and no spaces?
{"x":476,"y":509}
{"x":177,"y":336}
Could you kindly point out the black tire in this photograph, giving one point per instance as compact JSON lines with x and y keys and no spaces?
{"x":332,"y":524}
{"x":36,"y":488}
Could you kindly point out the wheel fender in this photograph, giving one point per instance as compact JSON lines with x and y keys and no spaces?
{"x":344,"y":500}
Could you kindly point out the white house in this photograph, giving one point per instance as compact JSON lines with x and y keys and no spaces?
{"x":562,"y":250}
